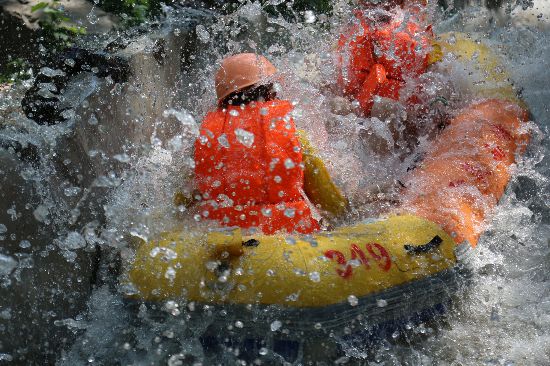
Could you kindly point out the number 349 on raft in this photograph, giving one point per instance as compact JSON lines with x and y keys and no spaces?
{"x":376,"y":252}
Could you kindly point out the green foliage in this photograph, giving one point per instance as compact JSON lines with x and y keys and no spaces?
{"x":133,"y":12}
{"x":15,"y":71}
{"x":56,"y":26}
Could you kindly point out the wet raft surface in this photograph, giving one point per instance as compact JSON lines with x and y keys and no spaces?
{"x":58,"y":289}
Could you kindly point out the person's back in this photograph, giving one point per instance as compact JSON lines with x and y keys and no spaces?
{"x":249,"y":165}
{"x":248,"y":160}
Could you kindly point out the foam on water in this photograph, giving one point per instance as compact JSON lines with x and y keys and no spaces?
{"x":500,"y":318}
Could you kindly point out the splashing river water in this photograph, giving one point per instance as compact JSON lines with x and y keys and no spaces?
{"x":501,"y":317}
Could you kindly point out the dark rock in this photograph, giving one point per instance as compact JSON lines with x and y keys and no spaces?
{"x":40,"y":109}
{"x":47,"y":110}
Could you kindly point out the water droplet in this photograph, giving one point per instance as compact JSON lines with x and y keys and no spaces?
{"x":170,"y":274}
{"x":166,"y":254}
{"x":381,"y":303}
{"x":123,"y":158}
{"x":223,"y":141}
{"x":92,"y":16}
{"x":263,"y":351}
{"x":244,"y":137}
{"x":293,"y":297}
{"x":315,"y":276}
{"x":71,"y":191}
{"x":68,"y":114}
{"x":46,"y":71}
{"x":187,"y":122}
{"x":93,"y":120}
{"x":222,"y":279}
{"x":266,"y":212}
{"x":128,"y":289}
{"x":353,"y":301}
{"x":3,"y":229}
{"x":45,"y":90}
{"x":309,"y":17}
{"x":70,"y":62}
{"x":234,"y":112}
{"x":202,"y":33}
{"x":24,"y":244}
{"x":73,"y":241}
{"x":289,"y":164}
{"x":290,"y":212}
{"x":264,"y":111}
{"x":290,"y":240}
{"x":93,"y":153}
{"x":276,"y":325}
{"x":239,"y":324}
{"x":7,"y":265}
{"x":277,"y":179}
{"x":171,"y":307}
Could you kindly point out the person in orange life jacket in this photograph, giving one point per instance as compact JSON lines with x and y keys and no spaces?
{"x":382,"y":49}
{"x":251,"y":167}
{"x":382,"y":61}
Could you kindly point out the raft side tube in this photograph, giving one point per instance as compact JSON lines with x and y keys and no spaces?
{"x":466,"y":170}
{"x":465,"y":173}
{"x":294,"y":271}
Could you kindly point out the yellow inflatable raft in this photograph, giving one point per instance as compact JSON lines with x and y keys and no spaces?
{"x":383,"y":269}
{"x":297,"y":271}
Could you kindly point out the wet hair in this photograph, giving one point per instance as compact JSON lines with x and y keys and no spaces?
{"x":253,"y":93}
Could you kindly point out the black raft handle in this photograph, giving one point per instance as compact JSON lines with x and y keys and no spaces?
{"x":424,"y":248}
{"x":251,"y":243}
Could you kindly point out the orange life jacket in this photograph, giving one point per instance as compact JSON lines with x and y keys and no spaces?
{"x":248,"y":167}
{"x":376,"y":59}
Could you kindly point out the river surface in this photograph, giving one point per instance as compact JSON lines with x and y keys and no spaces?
{"x":500,"y":317}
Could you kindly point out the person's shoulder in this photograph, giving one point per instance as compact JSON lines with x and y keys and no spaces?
{"x":212,"y":119}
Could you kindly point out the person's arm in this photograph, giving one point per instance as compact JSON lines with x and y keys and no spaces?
{"x":318,"y":184}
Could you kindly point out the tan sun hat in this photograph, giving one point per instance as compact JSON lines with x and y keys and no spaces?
{"x":241,"y":70}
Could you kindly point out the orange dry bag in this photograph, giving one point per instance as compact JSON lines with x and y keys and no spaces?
{"x":249,"y":169}
{"x":467,"y":169}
